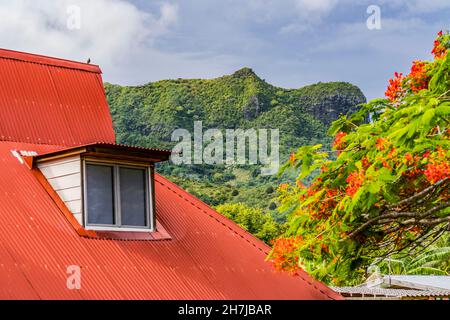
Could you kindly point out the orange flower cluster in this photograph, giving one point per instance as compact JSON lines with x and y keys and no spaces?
{"x":439,"y":50}
{"x":395,"y":89}
{"x":391,"y":157}
{"x":436,"y":172}
{"x":438,"y":168}
{"x":337,"y":144}
{"x":365,"y":162}
{"x":355,"y":181}
{"x":386,"y":165}
{"x":323,"y":208}
{"x":292,"y":158}
{"x":418,"y":78}
{"x":381,"y":144}
{"x":284,"y":255}
{"x":408,"y":157}
{"x":391,"y":154}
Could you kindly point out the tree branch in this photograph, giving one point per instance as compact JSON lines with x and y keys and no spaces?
{"x":417,"y":218}
{"x":418,"y":195}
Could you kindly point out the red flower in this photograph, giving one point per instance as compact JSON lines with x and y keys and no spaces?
{"x":439,"y":49}
{"x":355,"y":181}
{"x":408,"y":157}
{"x":338,"y":143}
{"x":292,"y":158}
{"x":391,"y":152}
{"x":438,"y":167}
{"x":395,"y":90}
{"x":418,"y":78}
{"x":437,"y":171}
{"x":365,"y":163}
{"x":284,"y":254}
{"x":381,"y":144}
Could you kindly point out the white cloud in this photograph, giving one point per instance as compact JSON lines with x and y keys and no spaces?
{"x":315,"y":6}
{"x":309,"y":14}
{"x":115,"y":34}
{"x":109,"y":29}
{"x":169,"y":17}
{"x":422,"y":6}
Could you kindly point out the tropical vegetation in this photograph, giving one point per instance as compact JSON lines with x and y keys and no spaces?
{"x":253,"y":220}
{"x":433,"y":260}
{"x":383,"y":191}
{"x":147,"y":115}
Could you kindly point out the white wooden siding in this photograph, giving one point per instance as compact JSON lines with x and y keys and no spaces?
{"x":64,"y":175}
{"x":65,"y":182}
{"x":74,"y":206}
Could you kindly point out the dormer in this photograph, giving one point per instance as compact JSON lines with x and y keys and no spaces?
{"x":106,"y":187}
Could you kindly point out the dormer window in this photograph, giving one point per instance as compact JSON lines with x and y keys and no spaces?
{"x":117,"y":196}
{"x":106,"y":187}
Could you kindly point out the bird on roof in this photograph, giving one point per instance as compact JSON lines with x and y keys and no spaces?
{"x":88,"y":60}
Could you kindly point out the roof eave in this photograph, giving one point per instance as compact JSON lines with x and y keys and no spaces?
{"x":104,"y":150}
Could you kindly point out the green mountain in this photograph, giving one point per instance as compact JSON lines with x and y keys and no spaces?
{"x":147,"y":115}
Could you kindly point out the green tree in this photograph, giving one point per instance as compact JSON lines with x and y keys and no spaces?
{"x":253,"y":220}
{"x":385,"y":188}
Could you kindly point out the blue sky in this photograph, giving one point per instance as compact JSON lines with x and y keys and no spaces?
{"x":290,"y":43}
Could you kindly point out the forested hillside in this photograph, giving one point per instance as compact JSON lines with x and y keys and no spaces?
{"x":147,"y":115}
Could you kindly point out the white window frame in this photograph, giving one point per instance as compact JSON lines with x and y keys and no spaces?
{"x":116,"y":165}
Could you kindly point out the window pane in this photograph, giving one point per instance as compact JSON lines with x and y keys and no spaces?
{"x":133,"y":206}
{"x":100,"y":194}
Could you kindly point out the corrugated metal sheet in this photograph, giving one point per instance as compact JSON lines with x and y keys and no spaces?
{"x":389,"y":292}
{"x":208,"y":257}
{"x":49,"y":104}
{"x":52,"y":101}
{"x":425,"y":281}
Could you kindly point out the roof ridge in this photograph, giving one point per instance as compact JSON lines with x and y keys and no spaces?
{"x":48,"y":60}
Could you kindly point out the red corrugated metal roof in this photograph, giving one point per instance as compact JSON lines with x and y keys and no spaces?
{"x":208,"y":257}
{"x":49,"y":104}
{"x":52,"y":101}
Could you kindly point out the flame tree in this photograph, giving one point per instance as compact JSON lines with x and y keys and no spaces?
{"x":383,"y":189}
